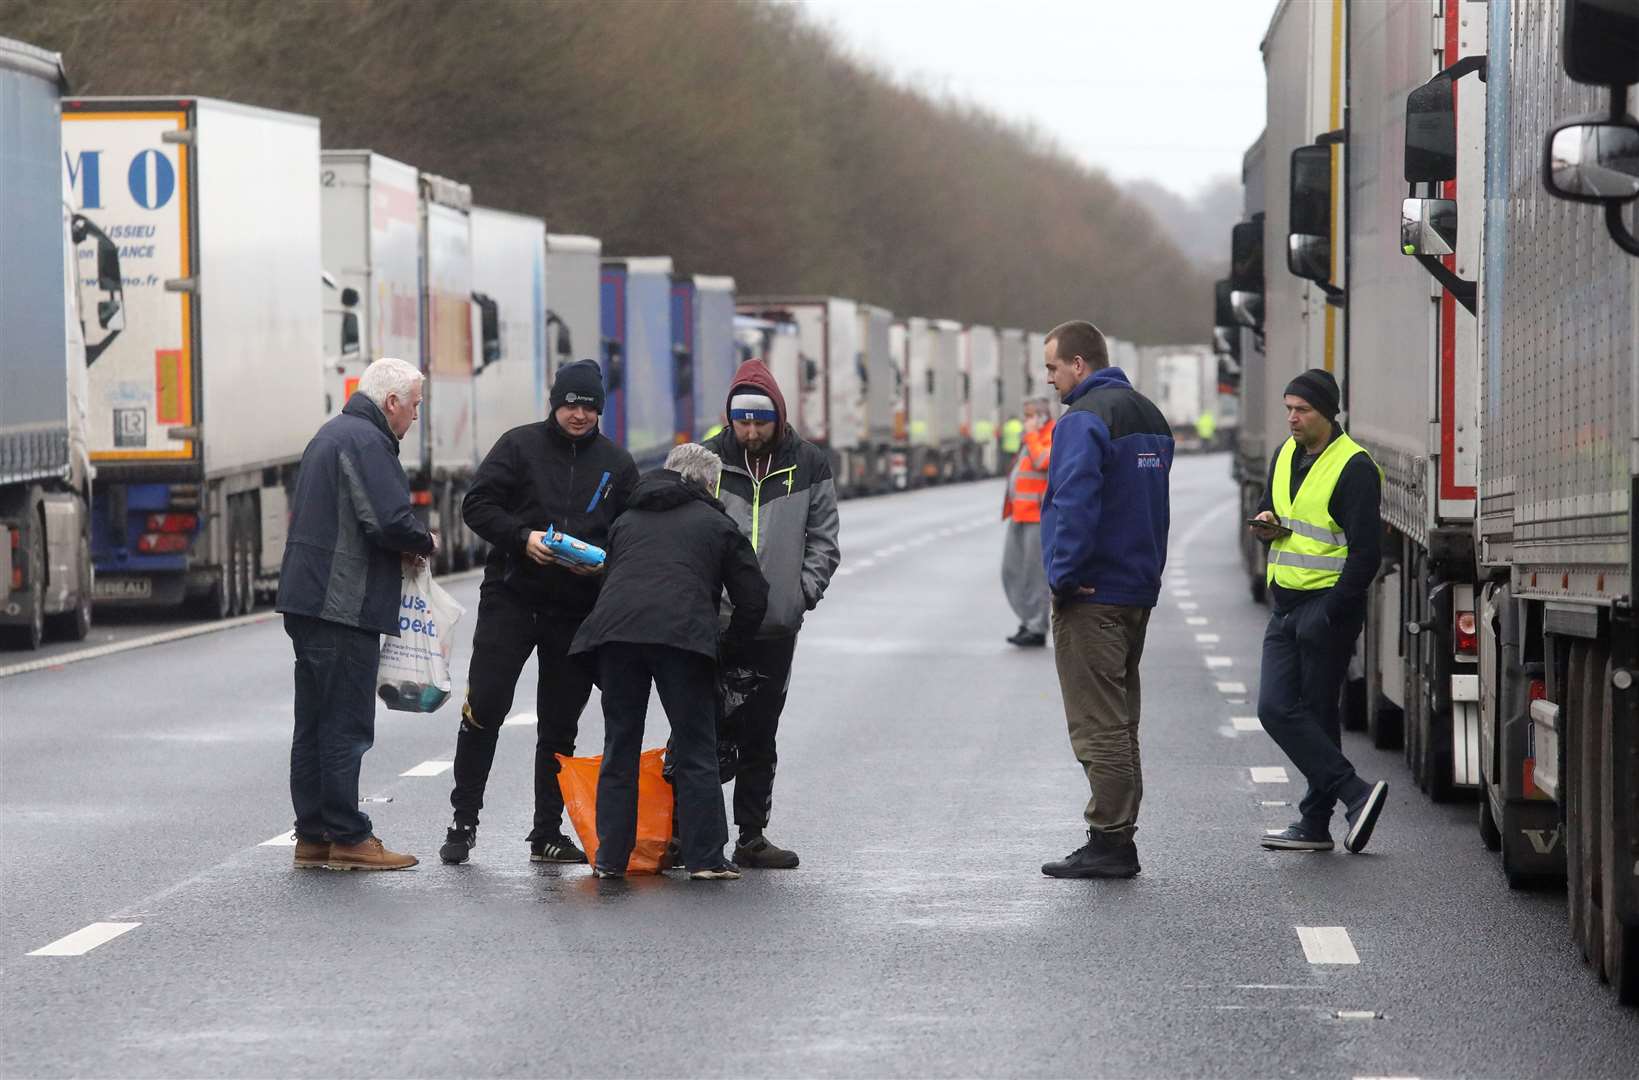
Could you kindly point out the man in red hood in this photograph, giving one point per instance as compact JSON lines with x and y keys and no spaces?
{"x":779,"y":490}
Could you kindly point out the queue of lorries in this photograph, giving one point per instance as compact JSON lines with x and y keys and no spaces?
{"x":192,"y":286}
{"x":1440,"y":212}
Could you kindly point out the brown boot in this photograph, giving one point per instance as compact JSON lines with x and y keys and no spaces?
{"x":311,"y":853}
{"x":367,"y":854}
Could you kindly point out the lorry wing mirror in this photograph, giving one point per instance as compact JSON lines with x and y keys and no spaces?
{"x":349,"y":333}
{"x":1223,"y":340}
{"x":349,"y":297}
{"x":489,"y":325}
{"x":1428,"y":226}
{"x":682,"y":371}
{"x":1431,"y":133}
{"x":614,"y":370}
{"x":1223,"y":313}
{"x":1246,"y":256}
{"x":1596,"y":162}
{"x":108,"y":265}
{"x":110,"y":283}
{"x":1248,"y":308}
{"x":1309,"y":257}
{"x":1310,"y":206}
{"x":1599,"y":42}
{"x":810,"y":372}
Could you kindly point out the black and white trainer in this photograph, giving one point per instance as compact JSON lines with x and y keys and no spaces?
{"x":459,"y":841}
{"x":1363,"y":817}
{"x":1296,"y":837}
{"x":558,"y":849}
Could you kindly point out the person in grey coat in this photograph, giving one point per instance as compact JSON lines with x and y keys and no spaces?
{"x":779,"y":489}
{"x":351,"y":528}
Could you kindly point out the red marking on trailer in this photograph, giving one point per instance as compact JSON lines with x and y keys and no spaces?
{"x":1449,"y":488}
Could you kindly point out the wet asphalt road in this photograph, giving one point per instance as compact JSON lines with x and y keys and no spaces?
{"x":925,"y":774}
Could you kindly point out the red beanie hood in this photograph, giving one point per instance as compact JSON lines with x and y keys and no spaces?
{"x":755,"y":374}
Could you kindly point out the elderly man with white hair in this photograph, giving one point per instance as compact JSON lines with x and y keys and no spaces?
{"x":351,"y":526}
{"x":671,"y":555}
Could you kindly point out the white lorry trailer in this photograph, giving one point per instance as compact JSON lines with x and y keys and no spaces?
{"x":371,"y":240}
{"x":441,"y":473}
{"x":45,"y":466}
{"x":574,"y":307}
{"x":703,"y":339}
{"x":882,"y":388}
{"x":199,"y":411}
{"x":933,"y":362}
{"x":509,"y":287}
{"x":981,"y":392}
{"x":1013,"y":357}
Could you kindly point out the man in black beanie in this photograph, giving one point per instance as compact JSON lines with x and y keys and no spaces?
{"x":562,"y":475}
{"x":1320,"y":517}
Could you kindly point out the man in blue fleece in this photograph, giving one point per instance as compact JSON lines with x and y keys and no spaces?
{"x":1104,"y":542}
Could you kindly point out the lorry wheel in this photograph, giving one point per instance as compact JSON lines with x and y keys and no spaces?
{"x":32,"y":633}
{"x":1570,"y":780}
{"x":75,"y":624}
{"x":1386,"y":724}
{"x":1621,"y":941}
{"x":1435,"y":750}
{"x":1490,"y":835}
{"x":1594,"y":701}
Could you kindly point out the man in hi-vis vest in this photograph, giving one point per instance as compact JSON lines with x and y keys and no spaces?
{"x":1023,"y":578}
{"x":1320,"y":519}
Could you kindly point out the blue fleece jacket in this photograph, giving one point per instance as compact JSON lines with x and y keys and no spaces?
{"x":1105,"y":516}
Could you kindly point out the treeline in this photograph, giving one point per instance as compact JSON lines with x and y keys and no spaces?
{"x":738,"y":138}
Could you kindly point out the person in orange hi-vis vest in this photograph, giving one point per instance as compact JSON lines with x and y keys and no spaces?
{"x":1023,"y":578}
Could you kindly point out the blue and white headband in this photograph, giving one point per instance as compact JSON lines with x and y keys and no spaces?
{"x":752,"y":407}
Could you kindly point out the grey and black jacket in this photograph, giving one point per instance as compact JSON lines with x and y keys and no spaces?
{"x":350,"y":522}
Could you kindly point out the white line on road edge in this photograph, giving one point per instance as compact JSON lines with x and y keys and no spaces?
{"x":1182,"y":594}
{"x":1273,"y":803}
{"x":1327,"y":945}
{"x":1231,"y":688}
{"x":83,"y":941}
{"x":1197,"y":620}
{"x":1207,"y":639}
{"x":284,"y":839}
{"x":429,"y":768}
{"x":519,"y":719}
{"x":1246,"y":723}
{"x":1188,"y":605}
{"x":1269,"y":774}
{"x":113,"y":648}
{"x":1219,"y":662}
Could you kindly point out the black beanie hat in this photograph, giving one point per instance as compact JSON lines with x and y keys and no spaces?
{"x":1318,"y":388}
{"x":580,"y":383}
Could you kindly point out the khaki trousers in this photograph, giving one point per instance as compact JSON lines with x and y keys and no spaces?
{"x":1097,"y":648}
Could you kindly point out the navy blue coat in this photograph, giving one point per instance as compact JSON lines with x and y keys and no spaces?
{"x":350,"y":524}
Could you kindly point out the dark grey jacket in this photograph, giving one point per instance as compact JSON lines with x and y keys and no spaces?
{"x":350,"y":523}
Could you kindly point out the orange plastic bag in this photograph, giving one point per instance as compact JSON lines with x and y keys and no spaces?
{"x":578,"y":778}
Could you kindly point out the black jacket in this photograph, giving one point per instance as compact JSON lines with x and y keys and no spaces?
{"x":670,"y":558}
{"x":1356,"y":505}
{"x":350,"y":523}
{"x":537,"y":477}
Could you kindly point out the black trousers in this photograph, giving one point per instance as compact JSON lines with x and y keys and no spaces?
{"x":1305,"y":659}
{"x":509,"y":629}
{"x":687,"y":683}
{"x":755,"y":725}
{"x":335,"y":725}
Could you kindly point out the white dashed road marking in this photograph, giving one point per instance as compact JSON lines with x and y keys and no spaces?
{"x":1188,"y":605}
{"x":520,"y":719}
{"x":1207,"y":639}
{"x":1182,"y":594}
{"x":1231,"y":688}
{"x":1246,"y":723}
{"x":81,"y":942}
{"x":1268,"y":774}
{"x":1327,"y":945}
{"x":1219,"y":662}
{"x":429,"y":768}
{"x":284,"y":839}
{"x":1197,"y":620}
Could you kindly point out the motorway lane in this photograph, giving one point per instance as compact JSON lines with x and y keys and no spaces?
{"x":925,"y":775}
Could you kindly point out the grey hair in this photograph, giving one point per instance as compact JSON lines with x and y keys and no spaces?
{"x":389,"y":375}
{"x":1040,"y":401}
{"x":695,"y":464}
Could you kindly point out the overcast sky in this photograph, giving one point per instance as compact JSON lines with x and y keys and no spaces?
{"x":1171,"y":91}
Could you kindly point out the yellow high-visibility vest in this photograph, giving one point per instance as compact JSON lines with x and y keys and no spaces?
{"x":1311,"y":556}
{"x":1012,"y":435}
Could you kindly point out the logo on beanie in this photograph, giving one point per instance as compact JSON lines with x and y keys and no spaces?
{"x":575,"y":398}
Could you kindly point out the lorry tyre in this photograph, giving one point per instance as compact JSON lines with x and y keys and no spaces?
{"x":1596,"y":673}
{"x":1621,"y":940}
{"x":75,"y":623}
{"x":30,"y":634}
{"x":1490,"y":835}
{"x":1516,"y":878}
{"x":1570,"y":779}
{"x":1436,"y":752}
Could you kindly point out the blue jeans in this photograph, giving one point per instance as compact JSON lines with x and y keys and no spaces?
{"x":1305,"y":658}
{"x":335,"y":725}
{"x":687,"y":683}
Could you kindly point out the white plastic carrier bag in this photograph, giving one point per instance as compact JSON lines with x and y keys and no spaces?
{"x":414,"y":675}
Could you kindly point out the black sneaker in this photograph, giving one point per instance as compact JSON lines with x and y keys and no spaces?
{"x":753,"y":850}
{"x":1363,"y":817}
{"x":721,"y":872}
{"x":601,"y":871}
{"x":1102,"y":856}
{"x":458,"y":844}
{"x":1026,"y":639}
{"x":1296,"y":837}
{"x":559,"y":849}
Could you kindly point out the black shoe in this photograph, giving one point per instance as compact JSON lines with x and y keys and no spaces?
{"x":753,"y":850}
{"x":1026,"y":639}
{"x":1296,"y":837}
{"x":458,"y":843}
{"x":1102,"y":856}
{"x":1363,"y":817}
{"x":601,"y":871}
{"x":557,"y":848}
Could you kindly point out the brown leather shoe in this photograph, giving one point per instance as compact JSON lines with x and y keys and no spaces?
{"x":311,"y":854}
{"x":368,"y":854}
